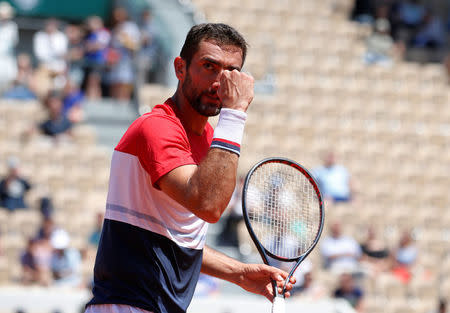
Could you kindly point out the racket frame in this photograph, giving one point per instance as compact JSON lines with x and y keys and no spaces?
{"x":263,"y":251}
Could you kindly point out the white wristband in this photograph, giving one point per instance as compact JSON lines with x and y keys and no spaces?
{"x":229,"y":130}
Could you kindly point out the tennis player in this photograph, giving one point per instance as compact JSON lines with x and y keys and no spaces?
{"x":172,"y":175}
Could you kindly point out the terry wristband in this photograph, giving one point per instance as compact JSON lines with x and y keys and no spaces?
{"x":229,"y":130}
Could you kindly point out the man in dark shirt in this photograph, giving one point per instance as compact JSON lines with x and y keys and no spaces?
{"x":348,"y":291}
{"x":13,"y":188}
{"x":57,"y":123}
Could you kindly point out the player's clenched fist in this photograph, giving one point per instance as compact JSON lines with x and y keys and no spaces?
{"x":236,"y":90}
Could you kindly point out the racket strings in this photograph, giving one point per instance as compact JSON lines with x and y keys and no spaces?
{"x":283,"y":209}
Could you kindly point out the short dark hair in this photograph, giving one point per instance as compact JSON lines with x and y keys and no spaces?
{"x":219,"y":33}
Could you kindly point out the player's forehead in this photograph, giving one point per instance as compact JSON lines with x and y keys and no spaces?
{"x":226,"y":55}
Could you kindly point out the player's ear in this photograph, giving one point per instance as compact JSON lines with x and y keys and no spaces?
{"x":180,"y":67}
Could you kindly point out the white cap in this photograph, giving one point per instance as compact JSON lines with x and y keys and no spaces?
{"x":60,"y":239}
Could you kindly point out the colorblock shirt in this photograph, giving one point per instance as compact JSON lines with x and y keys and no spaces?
{"x":150,"y":251}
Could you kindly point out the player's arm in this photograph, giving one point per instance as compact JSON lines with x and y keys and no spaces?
{"x":255,"y":278}
{"x":206,"y":189}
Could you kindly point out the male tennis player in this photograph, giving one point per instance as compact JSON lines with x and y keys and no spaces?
{"x":171,"y":175}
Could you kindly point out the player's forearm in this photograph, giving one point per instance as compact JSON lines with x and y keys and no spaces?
{"x":222,"y":266}
{"x":212,"y":185}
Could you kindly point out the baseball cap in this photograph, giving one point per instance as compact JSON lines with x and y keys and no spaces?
{"x":60,"y":239}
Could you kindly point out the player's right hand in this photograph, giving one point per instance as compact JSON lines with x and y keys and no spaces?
{"x":236,"y":90}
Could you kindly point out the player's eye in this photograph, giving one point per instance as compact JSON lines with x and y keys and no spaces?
{"x":208,"y":66}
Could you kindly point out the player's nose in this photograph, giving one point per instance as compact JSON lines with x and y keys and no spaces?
{"x":215,"y":86}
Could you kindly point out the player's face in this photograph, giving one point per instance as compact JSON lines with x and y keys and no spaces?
{"x":202,"y":78}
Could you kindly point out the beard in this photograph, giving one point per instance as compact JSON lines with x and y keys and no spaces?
{"x":194,"y":97}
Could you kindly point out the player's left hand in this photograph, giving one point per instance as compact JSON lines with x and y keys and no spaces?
{"x":256,"y":278}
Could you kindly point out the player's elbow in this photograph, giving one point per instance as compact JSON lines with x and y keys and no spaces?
{"x":210,"y":214}
{"x":212,"y":219}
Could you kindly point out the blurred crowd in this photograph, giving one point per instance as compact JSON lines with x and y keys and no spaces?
{"x":87,"y":60}
{"x":49,"y":257}
{"x":400,"y":27}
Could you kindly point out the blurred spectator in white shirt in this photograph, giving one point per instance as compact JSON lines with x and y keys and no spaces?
{"x":339,"y":252}
{"x":50,"y":47}
{"x":125,"y":41}
{"x":381,"y":48}
{"x":65,"y":262}
{"x":333,"y":179}
{"x":9,"y":37}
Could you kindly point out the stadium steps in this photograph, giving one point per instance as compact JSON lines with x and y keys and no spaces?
{"x":110,"y":120}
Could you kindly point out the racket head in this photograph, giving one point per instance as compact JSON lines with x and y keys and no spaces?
{"x":268,"y":213}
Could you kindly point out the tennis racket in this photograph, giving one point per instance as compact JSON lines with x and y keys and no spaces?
{"x":284,"y":214}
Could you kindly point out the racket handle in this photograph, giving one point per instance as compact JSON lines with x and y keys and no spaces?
{"x":278,"y":305}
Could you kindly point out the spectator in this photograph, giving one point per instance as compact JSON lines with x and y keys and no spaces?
{"x":381,"y":48}
{"x":96,"y":55}
{"x":30,"y":270}
{"x":50,"y":48}
{"x":43,"y":250}
{"x":72,"y":102}
{"x":375,"y":254}
{"x":46,"y":208}
{"x":57,"y":124}
{"x":406,"y":16}
{"x":411,"y":13}
{"x":75,"y":53}
{"x":149,"y":52}
{"x":47,"y":228}
{"x":13,"y":187}
{"x":24,"y":85}
{"x":9,"y":37}
{"x":65,"y":261}
{"x":363,"y":11}
{"x":306,"y":286}
{"x":229,"y":234}
{"x":334,"y":180}
{"x":125,"y":41}
{"x":404,"y":257}
{"x":349,"y":291}
{"x":431,"y":33}
{"x":94,"y":237}
{"x":339,"y":252}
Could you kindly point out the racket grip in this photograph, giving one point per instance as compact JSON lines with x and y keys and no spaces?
{"x":278,"y":305}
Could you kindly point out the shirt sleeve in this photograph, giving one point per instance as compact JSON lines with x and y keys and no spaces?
{"x":163,"y":147}
{"x":26,"y":184}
